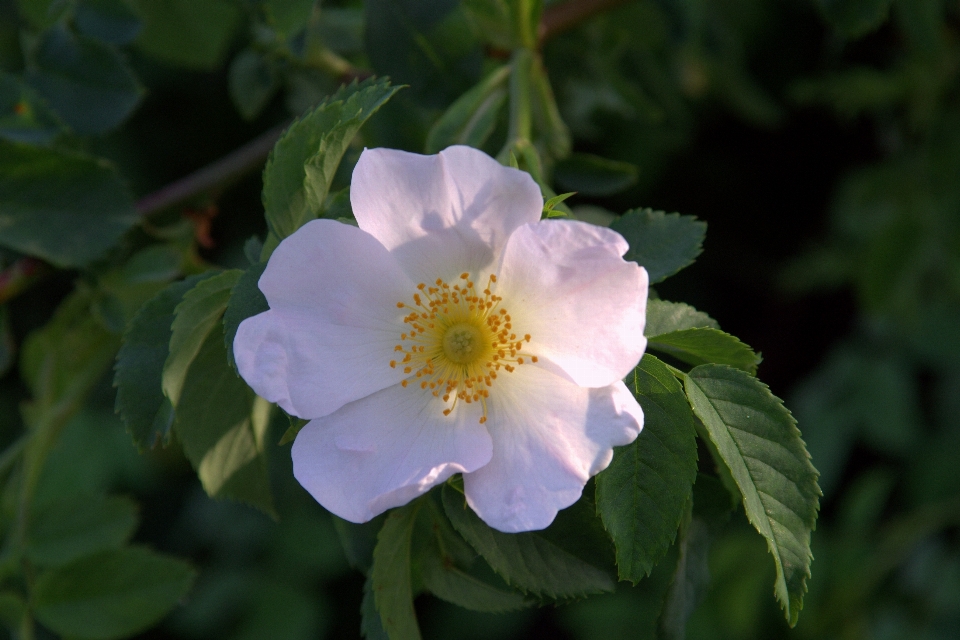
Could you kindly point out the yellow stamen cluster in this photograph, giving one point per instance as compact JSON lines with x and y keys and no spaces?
{"x":457,"y":341}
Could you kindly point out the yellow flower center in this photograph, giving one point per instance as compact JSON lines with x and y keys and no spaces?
{"x":457,"y":340}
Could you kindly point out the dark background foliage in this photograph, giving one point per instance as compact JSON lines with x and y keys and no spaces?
{"x":819,"y":139}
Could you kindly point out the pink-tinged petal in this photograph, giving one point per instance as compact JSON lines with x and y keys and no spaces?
{"x":549,"y":437}
{"x":566,"y":284}
{"x":386,"y":449}
{"x":333,"y":322}
{"x":445,"y":214}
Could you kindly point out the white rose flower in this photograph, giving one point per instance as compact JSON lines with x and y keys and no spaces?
{"x":452,"y":332}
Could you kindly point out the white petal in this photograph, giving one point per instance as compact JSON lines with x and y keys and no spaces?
{"x":386,"y":449}
{"x":333,"y":322}
{"x":549,"y":437}
{"x":443,"y":214}
{"x":566,"y":284}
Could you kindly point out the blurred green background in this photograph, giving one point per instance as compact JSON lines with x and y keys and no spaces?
{"x":819,"y":139}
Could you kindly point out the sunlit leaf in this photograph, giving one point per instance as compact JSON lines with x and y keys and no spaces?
{"x":666,"y":317}
{"x":706,"y":345}
{"x":301,"y":167}
{"x":662,"y":243}
{"x":759,"y":442}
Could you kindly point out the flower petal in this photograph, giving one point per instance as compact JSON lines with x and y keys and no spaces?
{"x":445,"y":214}
{"x":549,"y":437}
{"x":566,"y":284}
{"x":333,"y":322}
{"x":386,"y":449}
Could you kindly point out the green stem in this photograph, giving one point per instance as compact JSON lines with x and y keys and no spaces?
{"x":521,"y":116}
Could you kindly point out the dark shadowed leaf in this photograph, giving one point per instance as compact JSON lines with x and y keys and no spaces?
{"x":246,"y":300}
{"x":146,"y":412}
{"x":113,"y":594}
{"x":64,"y":207}
{"x":532,"y":561}
{"x":391,"y":577}
{"x":80,"y":525}
{"x":641,"y":495}
{"x":24,"y":116}
{"x":188,"y":33}
{"x":85,"y":81}
{"x":591,"y":175}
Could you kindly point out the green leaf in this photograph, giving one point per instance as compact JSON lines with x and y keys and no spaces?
{"x":491,"y":21}
{"x":371,"y":627}
{"x":532,"y":561}
{"x":359,"y":540}
{"x":64,"y":207}
{"x":252,"y":82}
{"x":471,"y":119}
{"x":112,"y":21}
{"x":223,"y":425}
{"x":42,"y":13}
{"x":24,"y":116}
{"x":391,"y":575}
{"x":80,"y":525}
{"x":87,"y":82}
{"x":444,"y":559}
{"x":188,"y":33}
{"x":592,"y":175}
{"x":855,"y":18}
{"x":759,"y":442}
{"x":641,"y":495}
{"x":705,"y":345}
{"x":246,"y":300}
{"x":114,"y":594}
{"x":711,"y":509}
{"x":301,"y":166}
{"x":196,"y":317}
{"x":146,"y":412}
{"x":296,"y":424}
{"x":662,"y":243}
{"x":667,"y":317}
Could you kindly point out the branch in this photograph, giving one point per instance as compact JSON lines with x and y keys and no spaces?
{"x":558,"y":18}
{"x":247,"y":158}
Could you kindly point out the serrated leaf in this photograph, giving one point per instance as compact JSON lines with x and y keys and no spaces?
{"x":592,"y":175}
{"x":704,"y":346}
{"x":24,"y":116}
{"x":530,"y":561}
{"x":301,"y":166}
{"x":114,"y":594}
{"x":64,"y":207}
{"x":666,"y":317}
{"x":472,"y":117}
{"x":641,"y":495}
{"x":662,"y":243}
{"x":146,"y":412}
{"x":85,"y":81}
{"x":758,"y":440}
{"x":246,"y":300}
{"x":855,"y":18}
{"x":443,"y":559}
{"x":186,"y":32}
{"x":252,"y":82}
{"x":222,"y":425}
{"x":391,"y":576}
{"x":80,"y":525}
{"x":195,"y":318}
